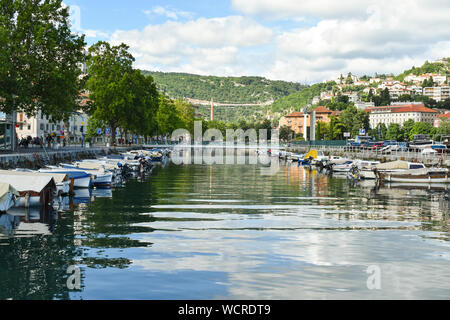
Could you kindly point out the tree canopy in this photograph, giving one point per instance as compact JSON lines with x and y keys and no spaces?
{"x":39,"y":60}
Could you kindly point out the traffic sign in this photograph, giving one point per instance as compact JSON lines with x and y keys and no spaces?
{"x":99,"y":131}
{"x":362,"y":132}
{"x":108,"y":131}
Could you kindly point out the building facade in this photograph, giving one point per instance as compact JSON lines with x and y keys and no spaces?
{"x":437,"y":93}
{"x":400,"y":114}
{"x":41,"y":126}
{"x":296,"y":120}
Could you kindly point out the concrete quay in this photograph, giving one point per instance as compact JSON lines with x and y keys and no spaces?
{"x":35,"y":158}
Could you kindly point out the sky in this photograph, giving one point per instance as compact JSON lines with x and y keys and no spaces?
{"x":306,"y":41}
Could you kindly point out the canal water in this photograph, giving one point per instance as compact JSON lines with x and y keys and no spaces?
{"x":231,"y":232}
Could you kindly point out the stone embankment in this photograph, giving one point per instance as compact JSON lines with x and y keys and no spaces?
{"x":39,"y":158}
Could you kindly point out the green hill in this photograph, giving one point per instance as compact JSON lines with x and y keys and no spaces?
{"x":428,"y":67}
{"x":300,"y":99}
{"x":240,"y":90}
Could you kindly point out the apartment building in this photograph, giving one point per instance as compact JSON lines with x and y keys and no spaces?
{"x":437,"y":78}
{"x":400,"y":114}
{"x":296,"y":120}
{"x":437,"y":93}
{"x":42,"y":125}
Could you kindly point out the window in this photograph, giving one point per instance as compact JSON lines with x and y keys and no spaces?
{"x":46,"y":127}
{"x":42,"y":127}
{"x":53,"y":127}
{"x":29,"y":127}
{"x":58,"y":127}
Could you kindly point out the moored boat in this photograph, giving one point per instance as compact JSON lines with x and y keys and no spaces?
{"x":409,"y":172}
{"x":34,"y":190}
{"x":81,"y":179}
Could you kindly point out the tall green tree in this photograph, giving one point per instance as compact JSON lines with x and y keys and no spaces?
{"x":110,"y":71}
{"x":354,"y":120}
{"x":186,"y":113}
{"x":407,"y":128}
{"x":39,"y":58}
{"x":143,"y":104}
{"x":167,"y":116}
{"x":421,"y":128}
{"x":394,"y":132}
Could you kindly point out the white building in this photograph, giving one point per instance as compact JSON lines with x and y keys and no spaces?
{"x":437,"y":78}
{"x":400,"y":114}
{"x":364,"y":105}
{"x":315,"y":100}
{"x":437,"y":93}
{"x":41,"y":126}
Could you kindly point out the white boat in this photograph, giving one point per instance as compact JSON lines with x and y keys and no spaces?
{"x":296,"y":156}
{"x":8,"y":196}
{"x":343,"y":167}
{"x":34,"y":190}
{"x":62,"y":181}
{"x":98,"y":165}
{"x":337,"y":160}
{"x":365,"y":168}
{"x":100,"y":177}
{"x":409,"y":172}
{"x":80,"y":178}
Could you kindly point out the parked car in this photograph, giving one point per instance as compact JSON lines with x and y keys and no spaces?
{"x":377,"y":145}
{"x":389,"y":143}
{"x":429,"y":151}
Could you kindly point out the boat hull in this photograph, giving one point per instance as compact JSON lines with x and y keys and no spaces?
{"x":430,"y":177}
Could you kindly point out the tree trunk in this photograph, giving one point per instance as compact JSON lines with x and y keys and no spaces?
{"x":113,"y":135}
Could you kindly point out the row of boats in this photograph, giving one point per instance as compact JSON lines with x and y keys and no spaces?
{"x":47,"y":186}
{"x":395,"y":171}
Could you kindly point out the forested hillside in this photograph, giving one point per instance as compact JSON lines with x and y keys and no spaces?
{"x":300,"y":99}
{"x":223,"y":89}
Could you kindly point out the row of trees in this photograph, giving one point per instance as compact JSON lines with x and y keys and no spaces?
{"x":39,"y":59}
{"x":122,"y":97}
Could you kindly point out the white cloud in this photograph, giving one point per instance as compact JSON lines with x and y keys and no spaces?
{"x":207,"y":46}
{"x":169,"y":13}
{"x":393,"y":37}
{"x":356,"y":36}
{"x":301,"y":8}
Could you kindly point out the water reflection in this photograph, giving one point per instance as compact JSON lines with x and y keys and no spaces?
{"x":228,"y":231}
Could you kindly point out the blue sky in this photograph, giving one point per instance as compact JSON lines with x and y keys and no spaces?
{"x":302,"y":41}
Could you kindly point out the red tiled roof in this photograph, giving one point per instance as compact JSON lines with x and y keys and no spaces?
{"x":295,"y":114}
{"x":403,"y":108}
{"x":322,"y":109}
{"x":447,"y":115}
